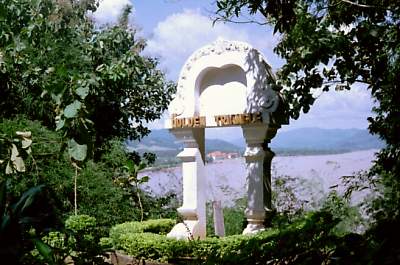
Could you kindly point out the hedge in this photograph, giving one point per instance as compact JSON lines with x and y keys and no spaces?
{"x":307,"y":241}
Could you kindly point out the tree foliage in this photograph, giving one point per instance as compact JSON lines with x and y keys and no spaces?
{"x":96,"y":192}
{"x":91,"y":83}
{"x":88,"y":83}
{"x":333,"y":44}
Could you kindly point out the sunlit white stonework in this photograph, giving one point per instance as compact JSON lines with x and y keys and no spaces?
{"x":232,"y":79}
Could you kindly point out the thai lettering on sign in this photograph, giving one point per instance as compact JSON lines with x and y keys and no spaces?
{"x":220,"y":120}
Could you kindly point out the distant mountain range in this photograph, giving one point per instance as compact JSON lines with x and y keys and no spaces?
{"x":326,"y":139}
{"x":163,"y":140}
{"x":293,"y":142}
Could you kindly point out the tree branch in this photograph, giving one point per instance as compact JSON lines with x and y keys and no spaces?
{"x":341,"y":81}
{"x":250,"y":21}
{"x":363,"y":5}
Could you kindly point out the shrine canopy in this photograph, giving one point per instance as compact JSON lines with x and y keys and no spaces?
{"x":226,"y":83}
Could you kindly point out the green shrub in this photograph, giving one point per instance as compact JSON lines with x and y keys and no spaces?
{"x":350,"y":217}
{"x":79,"y":241}
{"x":56,"y":240}
{"x":80,"y":223}
{"x":146,"y":245}
{"x":97,"y":194}
{"x":226,"y":250}
{"x":159,"y":226}
{"x":308,"y":240}
{"x":106,"y":243}
{"x":100,"y":198}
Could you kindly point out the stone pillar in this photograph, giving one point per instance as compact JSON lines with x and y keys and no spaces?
{"x":193,"y":210}
{"x":267,"y":191}
{"x":254,"y":157}
{"x":269,"y":155}
{"x":219,"y":226}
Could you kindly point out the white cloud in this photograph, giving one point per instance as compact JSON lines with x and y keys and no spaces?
{"x":180,"y":34}
{"x":344,"y":109}
{"x":109,"y":11}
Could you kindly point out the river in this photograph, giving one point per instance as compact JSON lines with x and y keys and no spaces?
{"x":226,"y":178}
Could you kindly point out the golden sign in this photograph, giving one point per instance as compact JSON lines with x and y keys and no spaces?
{"x":191,"y":122}
{"x":220,"y":120}
{"x":238,"y":119}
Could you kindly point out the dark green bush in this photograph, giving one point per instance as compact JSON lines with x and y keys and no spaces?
{"x":350,"y":217}
{"x":78,"y":242}
{"x":157,"y":226}
{"x":309,"y":240}
{"x":147,"y":239}
{"x":100,"y":198}
{"x":97,"y":194}
{"x":80,"y":223}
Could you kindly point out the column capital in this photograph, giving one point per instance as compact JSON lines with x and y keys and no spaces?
{"x":254,"y":135}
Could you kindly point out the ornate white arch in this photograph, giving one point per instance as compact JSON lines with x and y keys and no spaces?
{"x":255,"y":118}
{"x":219,"y":54}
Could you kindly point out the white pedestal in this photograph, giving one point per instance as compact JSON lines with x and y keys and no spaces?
{"x":193,"y":210}
{"x":254,"y":156}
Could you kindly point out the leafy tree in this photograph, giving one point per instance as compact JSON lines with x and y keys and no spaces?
{"x":92,"y":83}
{"x":333,"y":44}
{"x":99,"y":190}
{"x":89,"y":83}
{"x":24,"y":214}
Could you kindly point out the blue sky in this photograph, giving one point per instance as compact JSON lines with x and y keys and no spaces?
{"x":174,"y":29}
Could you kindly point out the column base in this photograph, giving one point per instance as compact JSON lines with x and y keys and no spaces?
{"x":187,"y":230}
{"x":254,"y":226}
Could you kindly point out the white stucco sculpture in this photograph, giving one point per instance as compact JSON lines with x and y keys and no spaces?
{"x":226,"y":83}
